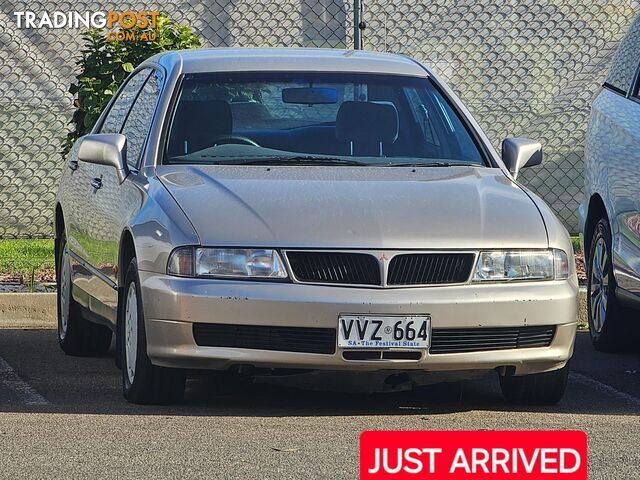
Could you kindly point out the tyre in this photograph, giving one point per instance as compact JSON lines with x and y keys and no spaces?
{"x":76,"y":336}
{"x":609,"y":322}
{"x":143,"y":382}
{"x":537,"y":389}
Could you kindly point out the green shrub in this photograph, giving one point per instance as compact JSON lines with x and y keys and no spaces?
{"x":105,"y":64}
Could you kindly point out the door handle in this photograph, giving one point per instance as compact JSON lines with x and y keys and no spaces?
{"x":73,"y":164}
{"x":96,"y":183}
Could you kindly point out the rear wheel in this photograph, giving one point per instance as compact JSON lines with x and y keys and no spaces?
{"x":537,"y":389}
{"x":609,"y":322}
{"x":143,"y":382}
{"x":76,"y":335}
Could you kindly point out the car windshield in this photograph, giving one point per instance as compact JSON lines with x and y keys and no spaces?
{"x":316,"y":118}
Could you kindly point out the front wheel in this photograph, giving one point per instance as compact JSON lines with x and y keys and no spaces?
{"x":143,"y":382}
{"x":609,"y":322}
{"x":537,"y":389}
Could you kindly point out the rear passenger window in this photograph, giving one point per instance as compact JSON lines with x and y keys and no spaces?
{"x":119,"y":109}
{"x":138,"y":122}
{"x":626,"y":59}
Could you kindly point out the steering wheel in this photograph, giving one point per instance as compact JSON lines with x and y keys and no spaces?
{"x":233,"y":140}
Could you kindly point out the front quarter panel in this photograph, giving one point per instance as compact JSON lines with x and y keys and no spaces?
{"x":158,"y":228}
{"x":556,"y":233}
{"x":596,"y":156}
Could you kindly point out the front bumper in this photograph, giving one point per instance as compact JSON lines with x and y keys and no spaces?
{"x":173,"y":304}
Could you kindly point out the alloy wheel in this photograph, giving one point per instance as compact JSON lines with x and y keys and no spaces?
{"x":599,"y":289}
{"x":131,"y":331}
{"x":65,"y":292}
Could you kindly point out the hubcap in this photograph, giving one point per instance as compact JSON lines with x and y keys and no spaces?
{"x":65,"y":292}
{"x":131,"y":331}
{"x":599,"y":285}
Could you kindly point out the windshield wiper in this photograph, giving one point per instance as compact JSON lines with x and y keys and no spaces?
{"x":431,"y":164}
{"x":298,"y":160}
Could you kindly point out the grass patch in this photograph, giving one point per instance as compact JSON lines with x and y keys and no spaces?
{"x":26,"y":257}
{"x":575,"y":241}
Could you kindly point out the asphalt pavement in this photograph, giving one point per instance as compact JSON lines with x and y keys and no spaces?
{"x":64,"y":417}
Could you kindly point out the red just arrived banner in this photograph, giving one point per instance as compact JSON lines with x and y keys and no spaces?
{"x":478,"y":455}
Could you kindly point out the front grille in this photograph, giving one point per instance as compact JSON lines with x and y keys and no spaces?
{"x":430,"y":268}
{"x":460,"y":340}
{"x":335,"y":267}
{"x":283,"y":339}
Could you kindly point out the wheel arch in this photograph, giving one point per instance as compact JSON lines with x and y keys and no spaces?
{"x":596,"y":211}
{"x":58,"y":230}
{"x":127,"y":251}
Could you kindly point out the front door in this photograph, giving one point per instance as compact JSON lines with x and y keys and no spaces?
{"x":100,"y":223}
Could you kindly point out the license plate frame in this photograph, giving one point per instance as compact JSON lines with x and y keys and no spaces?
{"x":365,"y":332}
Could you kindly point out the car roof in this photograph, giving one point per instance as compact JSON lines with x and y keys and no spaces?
{"x":288,"y":59}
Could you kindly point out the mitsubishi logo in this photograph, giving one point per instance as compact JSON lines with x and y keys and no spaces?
{"x":383,"y":258}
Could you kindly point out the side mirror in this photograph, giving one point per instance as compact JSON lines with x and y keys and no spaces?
{"x":520,"y":153}
{"x":105,"y":149}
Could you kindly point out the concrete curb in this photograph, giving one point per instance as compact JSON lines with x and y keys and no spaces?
{"x":582,"y":306}
{"x":38,"y":310}
{"x":28,"y":310}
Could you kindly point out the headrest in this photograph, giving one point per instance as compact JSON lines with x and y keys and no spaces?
{"x":208,"y":116}
{"x":371,"y":121}
{"x":197,"y":123}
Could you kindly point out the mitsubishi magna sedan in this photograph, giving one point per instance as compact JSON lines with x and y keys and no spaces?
{"x":288,"y":211}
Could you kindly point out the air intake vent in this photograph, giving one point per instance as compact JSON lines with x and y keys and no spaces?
{"x":323,"y":340}
{"x":335,"y":267}
{"x":460,"y":340}
{"x":430,"y":268}
{"x":283,"y":339}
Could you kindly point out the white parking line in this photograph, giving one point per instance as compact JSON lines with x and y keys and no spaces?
{"x":25,"y":392}
{"x":604,"y":388}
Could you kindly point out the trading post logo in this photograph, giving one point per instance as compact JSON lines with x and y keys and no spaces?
{"x":133,"y":26}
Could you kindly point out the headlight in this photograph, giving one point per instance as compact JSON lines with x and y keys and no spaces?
{"x":518,"y":265}
{"x":226,"y":262}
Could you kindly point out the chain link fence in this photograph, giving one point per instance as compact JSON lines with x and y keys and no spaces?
{"x":524,"y":68}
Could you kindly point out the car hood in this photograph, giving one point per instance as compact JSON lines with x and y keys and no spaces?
{"x":355,"y":207}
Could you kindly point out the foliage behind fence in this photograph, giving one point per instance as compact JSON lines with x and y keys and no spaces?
{"x":524,"y":68}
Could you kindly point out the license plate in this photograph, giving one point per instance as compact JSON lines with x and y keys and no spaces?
{"x":364,"y":331}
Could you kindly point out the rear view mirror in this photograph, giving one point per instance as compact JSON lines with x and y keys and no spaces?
{"x":310,"y":95}
{"x":520,"y":153}
{"x":105,"y":149}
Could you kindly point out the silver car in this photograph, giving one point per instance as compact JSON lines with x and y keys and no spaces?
{"x":610,"y":212}
{"x":297,"y":210}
